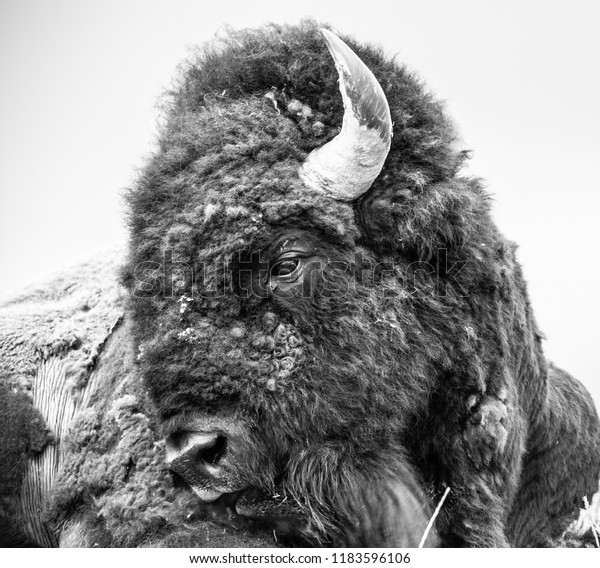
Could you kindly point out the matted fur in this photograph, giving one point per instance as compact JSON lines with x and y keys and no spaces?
{"x":373,"y":405}
{"x":360,"y":402}
{"x":100,"y":479}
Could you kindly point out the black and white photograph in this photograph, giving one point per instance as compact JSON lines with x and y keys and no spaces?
{"x":299,"y":276}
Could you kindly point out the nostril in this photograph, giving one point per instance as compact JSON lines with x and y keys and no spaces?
{"x":177,"y":439}
{"x":189,"y":449}
{"x":214,"y":453}
{"x":178,"y":481}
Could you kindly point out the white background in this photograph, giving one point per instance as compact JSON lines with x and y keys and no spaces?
{"x":80,"y":82}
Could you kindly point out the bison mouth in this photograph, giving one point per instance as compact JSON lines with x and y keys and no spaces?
{"x":256,"y":512}
{"x":222,"y":507}
{"x":211,"y":457}
{"x":210,"y":504}
{"x":250,"y":503}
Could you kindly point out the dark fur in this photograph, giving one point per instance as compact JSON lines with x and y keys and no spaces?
{"x":363,"y":403}
{"x":22,"y":435}
{"x":12,"y":537}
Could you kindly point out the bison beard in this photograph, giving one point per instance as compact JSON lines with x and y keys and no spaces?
{"x":354,"y":355}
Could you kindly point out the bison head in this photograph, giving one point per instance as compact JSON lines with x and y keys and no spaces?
{"x":303,"y":297}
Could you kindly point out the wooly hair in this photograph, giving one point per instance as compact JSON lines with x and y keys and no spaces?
{"x":363,"y":402}
{"x":412,"y":364}
{"x":83,"y":463}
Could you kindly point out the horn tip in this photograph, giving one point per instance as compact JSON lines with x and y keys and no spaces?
{"x":332,"y":40}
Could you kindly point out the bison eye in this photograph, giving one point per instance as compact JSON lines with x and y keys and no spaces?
{"x":285,"y":267}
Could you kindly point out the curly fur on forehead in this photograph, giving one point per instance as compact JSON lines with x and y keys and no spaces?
{"x":295,"y":59}
{"x":243,"y":116}
{"x":215,"y":109}
{"x":367,"y":392}
{"x":386,"y":358}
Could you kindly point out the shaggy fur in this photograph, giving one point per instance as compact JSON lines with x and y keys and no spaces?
{"x":22,"y":436}
{"x":95,"y":475}
{"x":379,"y":387}
{"x":410,"y":363}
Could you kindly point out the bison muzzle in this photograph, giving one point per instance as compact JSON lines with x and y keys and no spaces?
{"x":336,"y":319}
{"x":331,"y":331}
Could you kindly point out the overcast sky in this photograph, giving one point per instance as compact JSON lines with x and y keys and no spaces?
{"x":80,"y":81}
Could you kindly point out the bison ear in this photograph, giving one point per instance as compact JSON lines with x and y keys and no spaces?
{"x":345,"y":167}
{"x":446,"y":214}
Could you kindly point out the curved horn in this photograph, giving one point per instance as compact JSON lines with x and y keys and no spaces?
{"x":346,"y":166}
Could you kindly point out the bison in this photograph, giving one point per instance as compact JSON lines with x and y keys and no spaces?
{"x":322,"y":321}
